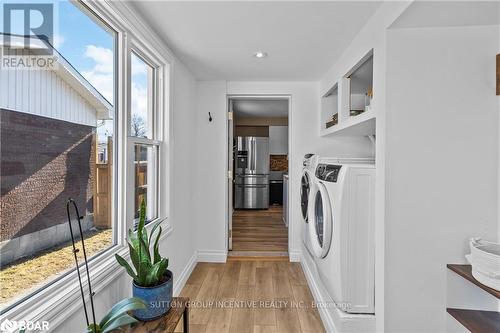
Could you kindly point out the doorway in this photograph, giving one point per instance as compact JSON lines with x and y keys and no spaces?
{"x":258,"y":154}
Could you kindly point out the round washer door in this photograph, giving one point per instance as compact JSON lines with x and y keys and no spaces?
{"x":321,"y":221}
{"x":305,"y":187}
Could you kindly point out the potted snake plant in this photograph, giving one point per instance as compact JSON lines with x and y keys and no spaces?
{"x":117,"y":316}
{"x":152,"y":281}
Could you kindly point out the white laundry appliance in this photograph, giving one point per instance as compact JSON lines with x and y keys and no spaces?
{"x":341,"y":229}
{"x":306,"y":183}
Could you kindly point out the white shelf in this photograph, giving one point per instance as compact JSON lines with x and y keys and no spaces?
{"x":360,"y":125}
{"x":349,"y":94}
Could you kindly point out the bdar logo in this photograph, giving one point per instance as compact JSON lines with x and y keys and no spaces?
{"x":7,"y":326}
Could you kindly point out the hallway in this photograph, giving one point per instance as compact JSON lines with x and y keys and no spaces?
{"x":268,"y":296}
{"x":260,"y":231}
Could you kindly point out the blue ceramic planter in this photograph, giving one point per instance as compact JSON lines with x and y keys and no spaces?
{"x":157,"y":299}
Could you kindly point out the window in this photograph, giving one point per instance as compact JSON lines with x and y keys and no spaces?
{"x":144,"y":135}
{"x":58,"y":142}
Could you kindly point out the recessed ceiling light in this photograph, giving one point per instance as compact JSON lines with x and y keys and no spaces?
{"x":260,"y":54}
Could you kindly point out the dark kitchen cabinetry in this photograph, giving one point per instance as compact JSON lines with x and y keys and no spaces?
{"x":276,"y":192}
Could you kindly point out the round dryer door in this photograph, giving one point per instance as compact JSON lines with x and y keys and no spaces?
{"x":304,"y":194}
{"x":321,"y":221}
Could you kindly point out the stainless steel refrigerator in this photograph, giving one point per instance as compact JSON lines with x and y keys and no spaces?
{"x":251,"y":186}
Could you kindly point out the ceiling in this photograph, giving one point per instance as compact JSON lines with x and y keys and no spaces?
{"x":252,"y":108}
{"x":449,"y":14}
{"x":217,"y":39}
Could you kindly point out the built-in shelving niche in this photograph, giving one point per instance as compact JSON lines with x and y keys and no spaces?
{"x":330,"y":107}
{"x":347,"y":108}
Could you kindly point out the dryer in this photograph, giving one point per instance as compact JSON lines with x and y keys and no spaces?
{"x":306,"y":183}
{"x":341,"y":230}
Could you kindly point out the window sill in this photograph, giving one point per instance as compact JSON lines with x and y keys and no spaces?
{"x":56,"y":302}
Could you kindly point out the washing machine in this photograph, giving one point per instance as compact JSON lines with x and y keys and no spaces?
{"x":307,"y":181}
{"x":341,"y":216}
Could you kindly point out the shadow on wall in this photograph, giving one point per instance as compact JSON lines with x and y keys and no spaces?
{"x":44,"y":161}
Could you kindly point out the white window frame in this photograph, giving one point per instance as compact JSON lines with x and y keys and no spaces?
{"x":157,"y":132}
{"x":58,"y":300}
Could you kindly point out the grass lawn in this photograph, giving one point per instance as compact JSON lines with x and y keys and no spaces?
{"x":27,"y":274}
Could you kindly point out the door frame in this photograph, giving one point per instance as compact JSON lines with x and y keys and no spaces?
{"x":228,"y":196}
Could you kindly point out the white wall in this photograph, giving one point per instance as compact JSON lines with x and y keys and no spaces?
{"x":208,"y":158}
{"x":373,"y":36}
{"x":304,"y":138}
{"x":178,"y":246}
{"x":441,"y":164}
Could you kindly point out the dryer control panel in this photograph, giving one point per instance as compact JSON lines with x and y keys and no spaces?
{"x":328,"y":172}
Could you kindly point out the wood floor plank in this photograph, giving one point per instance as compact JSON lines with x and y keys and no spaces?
{"x":264,"y":293}
{"x":243,"y":317}
{"x":260,"y":230}
{"x":281,"y":282}
{"x":263,"y":280}
{"x":309,"y":318}
{"x":297,"y":276}
{"x":247,"y":273}
{"x":199,"y":273}
{"x":208,"y":293}
{"x":190,"y":290}
{"x":229,"y":283}
{"x":220,"y":320}
{"x":264,"y":329}
{"x":196,"y":328}
{"x":286,"y":317}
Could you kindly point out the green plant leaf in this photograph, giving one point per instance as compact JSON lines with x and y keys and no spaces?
{"x":125,"y":264}
{"x":145,"y":248}
{"x":163,"y":268}
{"x":134,"y":256}
{"x":156,"y":251}
{"x":121,"y":308}
{"x":93,"y":328}
{"x":118,"y":322}
{"x":153,"y":277}
{"x":142,"y":218}
{"x":145,"y":267}
{"x":157,"y":224}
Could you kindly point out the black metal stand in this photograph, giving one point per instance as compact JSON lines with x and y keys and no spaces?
{"x":75,"y":251}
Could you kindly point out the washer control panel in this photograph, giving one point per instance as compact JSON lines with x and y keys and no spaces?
{"x":328,"y":172}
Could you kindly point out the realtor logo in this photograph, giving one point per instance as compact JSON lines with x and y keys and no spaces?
{"x":34,"y":22}
{"x":28,"y":36}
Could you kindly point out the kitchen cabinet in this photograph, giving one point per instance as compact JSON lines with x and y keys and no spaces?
{"x":278,"y":140}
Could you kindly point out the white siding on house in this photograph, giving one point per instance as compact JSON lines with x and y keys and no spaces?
{"x":44,"y":93}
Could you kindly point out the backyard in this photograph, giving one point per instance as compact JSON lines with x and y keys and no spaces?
{"x":25,"y":275}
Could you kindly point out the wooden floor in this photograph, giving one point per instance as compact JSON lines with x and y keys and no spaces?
{"x":266,"y":295}
{"x":260,"y":230}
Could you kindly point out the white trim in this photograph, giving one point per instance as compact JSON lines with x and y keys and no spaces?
{"x":58,"y":300}
{"x":181,"y":280}
{"x":295,"y":256}
{"x":323,"y":312}
{"x":212,"y":256}
{"x":288,"y":97}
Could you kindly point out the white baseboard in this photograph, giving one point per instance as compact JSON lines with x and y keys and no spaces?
{"x":181,"y":280}
{"x":212,"y":256}
{"x":335,"y":320}
{"x":326,"y":318}
{"x":295,"y":256}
